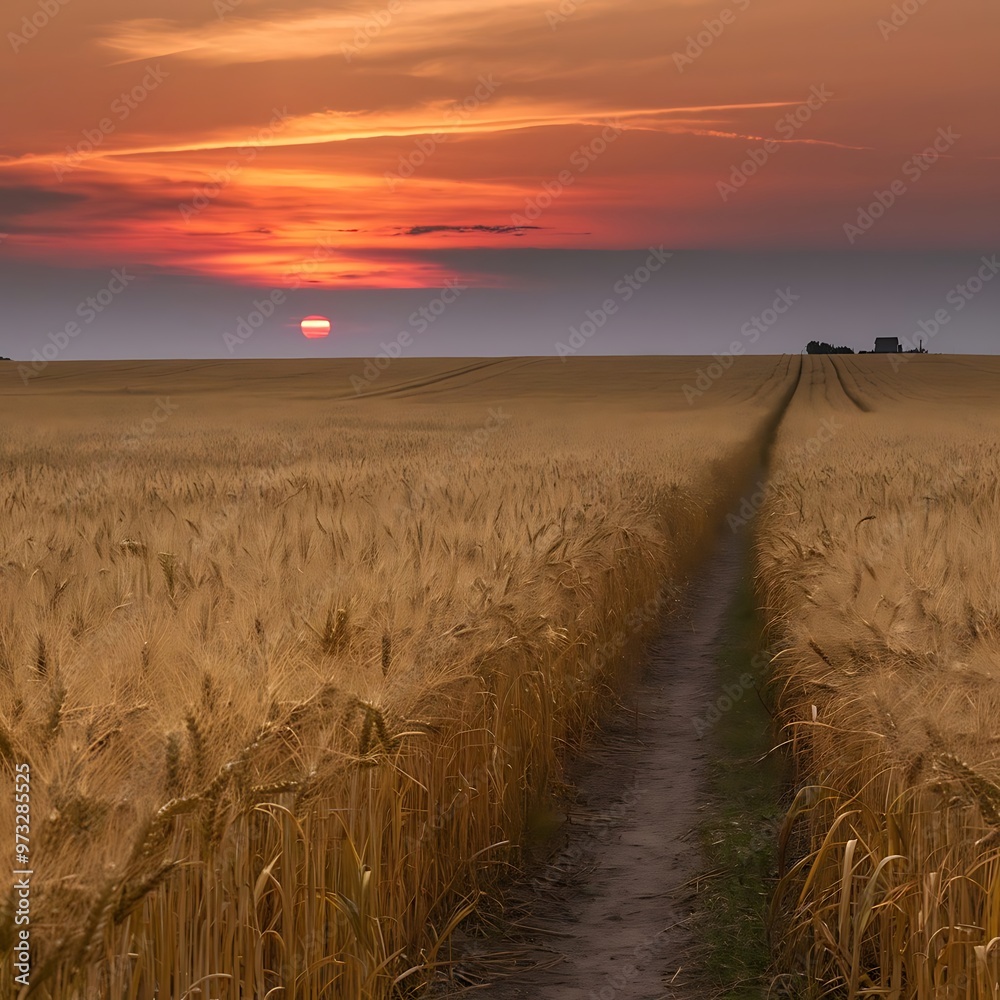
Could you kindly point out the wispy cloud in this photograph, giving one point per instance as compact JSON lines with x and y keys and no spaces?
{"x":797,"y":141}
{"x":322,"y":127}
{"x":311,"y":33}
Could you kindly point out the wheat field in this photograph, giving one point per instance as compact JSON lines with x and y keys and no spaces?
{"x":878,"y":555}
{"x":291,"y":666}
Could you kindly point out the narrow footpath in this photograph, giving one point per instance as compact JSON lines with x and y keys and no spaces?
{"x":608,"y":916}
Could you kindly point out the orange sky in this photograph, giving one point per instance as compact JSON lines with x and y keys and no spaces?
{"x":446,"y":125}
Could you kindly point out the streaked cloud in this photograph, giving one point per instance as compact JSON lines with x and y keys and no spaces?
{"x":318,"y":33}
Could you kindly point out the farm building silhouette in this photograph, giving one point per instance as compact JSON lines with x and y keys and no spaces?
{"x":888,"y":345}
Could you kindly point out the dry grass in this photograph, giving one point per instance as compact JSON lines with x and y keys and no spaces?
{"x":291,"y":674}
{"x":879,"y":554}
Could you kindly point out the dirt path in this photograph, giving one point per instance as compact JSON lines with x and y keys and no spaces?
{"x":605,"y":919}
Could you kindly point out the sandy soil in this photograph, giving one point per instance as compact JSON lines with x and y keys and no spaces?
{"x":606,"y":917}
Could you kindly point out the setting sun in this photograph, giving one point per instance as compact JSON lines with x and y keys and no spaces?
{"x":314,"y":327}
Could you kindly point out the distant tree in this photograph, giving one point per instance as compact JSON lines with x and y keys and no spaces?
{"x":821,"y":347}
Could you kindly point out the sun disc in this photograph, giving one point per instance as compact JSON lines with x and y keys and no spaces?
{"x":316,"y":326}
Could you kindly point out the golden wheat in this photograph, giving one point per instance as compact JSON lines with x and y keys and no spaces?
{"x":291,"y":675}
{"x":878,"y":555}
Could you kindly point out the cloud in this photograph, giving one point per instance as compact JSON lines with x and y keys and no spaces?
{"x":744,"y":137}
{"x":438,"y":119}
{"x":29,"y":200}
{"x":337,"y":168}
{"x":500,"y":230}
{"x":312,"y":34}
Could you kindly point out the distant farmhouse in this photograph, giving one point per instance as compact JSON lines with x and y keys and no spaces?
{"x":888,"y":345}
{"x":891,"y":345}
{"x":883,"y":345}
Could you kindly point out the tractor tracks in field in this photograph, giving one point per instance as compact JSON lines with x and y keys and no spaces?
{"x":849,"y":393}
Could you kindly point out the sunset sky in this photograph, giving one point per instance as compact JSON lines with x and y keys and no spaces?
{"x":219,"y":149}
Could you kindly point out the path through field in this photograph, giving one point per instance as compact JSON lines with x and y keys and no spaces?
{"x":607,"y":917}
